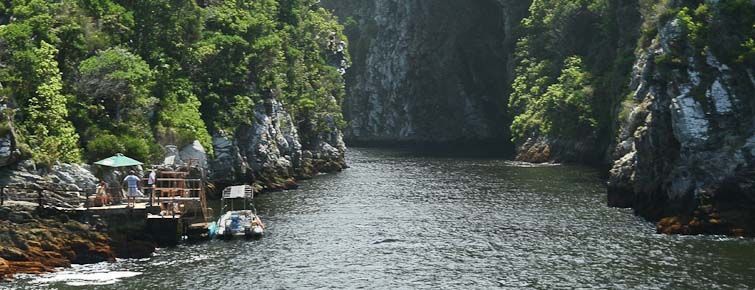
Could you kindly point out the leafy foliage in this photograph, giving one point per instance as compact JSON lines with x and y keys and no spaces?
{"x":118,"y":83}
{"x":133,"y":78}
{"x":571,"y":69}
{"x":178,"y":120}
{"x":45,"y":124}
{"x":564,"y":108}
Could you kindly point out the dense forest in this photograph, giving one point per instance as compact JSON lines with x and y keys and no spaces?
{"x":572,"y":83}
{"x":84,"y":79}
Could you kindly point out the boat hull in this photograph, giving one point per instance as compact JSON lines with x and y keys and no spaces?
{"x":238,"y":224}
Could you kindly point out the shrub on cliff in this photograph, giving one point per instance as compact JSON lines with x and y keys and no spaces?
{"x":564,"y":110}
{"x":114,"y":95}
{"x":572,"y":71}
{"x":45,"y":124}
{"x":179,"y":121}
{"x":116,"y":85}
{"x":33,"y":80}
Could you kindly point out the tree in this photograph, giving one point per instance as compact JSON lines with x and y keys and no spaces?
{"x":48,"y":132}
{"x":568,"y":103}
{"x":563,"y":110}
{"x":118,"y":83}
{"x":178,"y":119}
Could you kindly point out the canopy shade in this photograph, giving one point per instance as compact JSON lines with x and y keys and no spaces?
{"x":241,"y":191}
{"x":118,"y":161}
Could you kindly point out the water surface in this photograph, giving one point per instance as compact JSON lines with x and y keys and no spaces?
{"x":397,"y":220}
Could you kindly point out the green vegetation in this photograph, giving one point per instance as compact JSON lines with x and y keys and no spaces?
{"x":45,"y":125}
{"x":90,"y":78}
{"x":725,"y":28}
{"x":573,"y":64}
{"x":563,"y":110}
{"x":574,"y":59}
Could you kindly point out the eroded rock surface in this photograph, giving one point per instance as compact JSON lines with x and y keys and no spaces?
{"x":685,"y":153}
{"x":272,"y":153}
{"x":428,"y":71}
{"x":63,"y":185}
{"x":34,"y":242}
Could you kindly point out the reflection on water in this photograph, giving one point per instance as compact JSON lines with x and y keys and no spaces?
{"x":395,"y":220}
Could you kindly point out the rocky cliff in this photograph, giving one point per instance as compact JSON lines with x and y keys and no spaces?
{"x":271,"y":151}
{"x":686,"y":151}
{"x":572,"y":68}
{"x":428,"y":71}
{"x":681,"y":145}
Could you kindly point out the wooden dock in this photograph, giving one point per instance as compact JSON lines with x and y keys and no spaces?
{"x":175,"y":209}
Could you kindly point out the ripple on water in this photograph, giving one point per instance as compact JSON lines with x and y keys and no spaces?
{"x":396,"y":220}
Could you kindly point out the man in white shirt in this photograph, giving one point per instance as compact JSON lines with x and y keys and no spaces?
{"x":151,"y":184}
{"x":133,"y":188}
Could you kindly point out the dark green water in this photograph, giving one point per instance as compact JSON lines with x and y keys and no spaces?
{"x":395,"y":220}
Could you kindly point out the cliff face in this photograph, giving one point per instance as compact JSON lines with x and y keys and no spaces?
{"x":572,"y":68}
{"x":681,"y":145}
{"x":686,"y":151}
{"x":271,"y":153}
{"x":428,"y":71}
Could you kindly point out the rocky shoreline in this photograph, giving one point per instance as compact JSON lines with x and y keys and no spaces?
{"x":35,"y":242}
{"x":270,"y":154}
{"x":686,"y":153}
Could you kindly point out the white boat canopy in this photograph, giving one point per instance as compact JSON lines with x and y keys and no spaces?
{"x":236,"y":192}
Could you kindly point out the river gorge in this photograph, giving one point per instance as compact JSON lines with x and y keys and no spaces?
{"x":389,"y":143}
{"x":398,"y":219}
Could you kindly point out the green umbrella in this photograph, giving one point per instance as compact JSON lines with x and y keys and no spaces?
{"x":118,"y":161}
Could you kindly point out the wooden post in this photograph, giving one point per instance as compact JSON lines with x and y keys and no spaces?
{"x":2,"y":196}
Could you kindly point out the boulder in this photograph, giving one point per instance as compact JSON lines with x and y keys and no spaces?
{"x":172,"y":155}
{"x":8,"y":151}
{"x":194,"y":151}
{"x":64,"y":185}
{"x":78,"y":176}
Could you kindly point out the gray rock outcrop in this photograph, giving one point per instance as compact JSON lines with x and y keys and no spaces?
{"x":195,"y":153}
{"x":270,"y":151}
{"x":63,"y":185}
{"x":8,"y":152}
{"x":686,"y":149}
{"x":428,"y":71}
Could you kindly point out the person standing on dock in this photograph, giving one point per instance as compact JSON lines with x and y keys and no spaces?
{"x":133,"y":188}
{"x":151,"y":184}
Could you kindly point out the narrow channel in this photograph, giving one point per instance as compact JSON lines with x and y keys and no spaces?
{"x":395,"y":219}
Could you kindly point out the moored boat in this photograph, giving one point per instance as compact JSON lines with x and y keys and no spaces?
{"x":243,"y":222}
